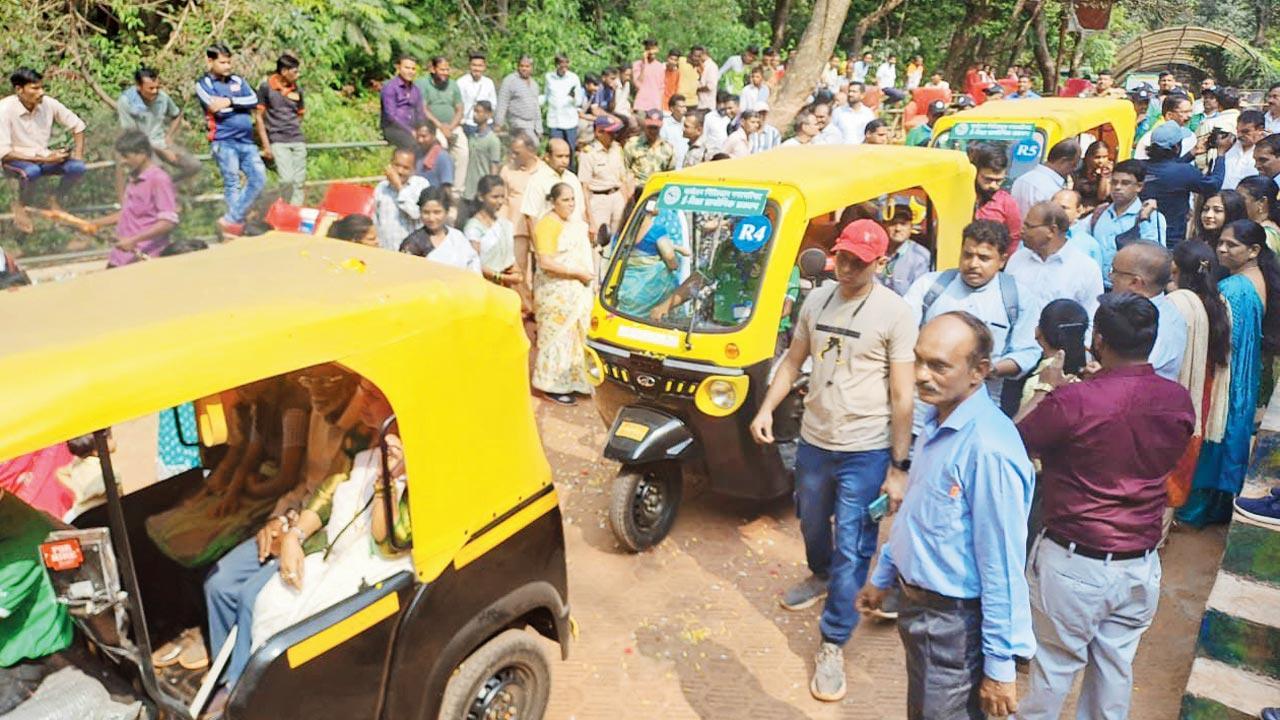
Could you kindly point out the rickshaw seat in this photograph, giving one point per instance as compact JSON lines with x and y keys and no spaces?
{"x":1074,"y":87}
{"x":872,"y":97}
{"x":348,"y":199}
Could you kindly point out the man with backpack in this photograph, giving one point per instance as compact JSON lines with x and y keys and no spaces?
{"x":1125,"y":219}
{"x":979,"y":287}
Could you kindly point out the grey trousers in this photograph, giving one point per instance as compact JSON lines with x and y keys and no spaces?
{"x":1088,"y":615}
{"x":291,"y":166}
{"x":943,"y":643}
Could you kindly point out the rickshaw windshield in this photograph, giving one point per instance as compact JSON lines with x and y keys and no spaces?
{"x":1022,"y":143}
{"x":690,"y":270}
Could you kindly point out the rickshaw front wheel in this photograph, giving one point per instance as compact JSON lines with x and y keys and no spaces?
{"x":644,"y":504}
{"x":508,"y":677}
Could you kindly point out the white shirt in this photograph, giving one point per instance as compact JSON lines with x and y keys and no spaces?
{"x":1239,"y":164}
{"x":1037,"y":185}
{"x":1272,"y":123}
{"x":886,"y":75}
{"x":534,"y":203}
{"x":853,"y":123}
{"x":456,"y":251}
{"x":860,"y":70}
{"x":752,"y":97}
{"x":673,"y":132}
{"x":396,"y":214}
{"x":27,"y":132}
{"x":564,"y":96}
{"x":474,"y":91}
{"x":1067,"y":273}
{"x":1140,"y":152}
{"x":715,"y":131}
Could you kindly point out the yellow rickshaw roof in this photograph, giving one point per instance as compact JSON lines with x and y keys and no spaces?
{"x":111,"y":346}
{"x":830,"y":177}
{"x":1072,"y":115}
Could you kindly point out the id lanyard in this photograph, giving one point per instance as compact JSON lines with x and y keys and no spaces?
{"x":835,"y":343}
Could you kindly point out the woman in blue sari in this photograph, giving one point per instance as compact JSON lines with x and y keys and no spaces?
{"x":652,"y":269}
{"x":1252,"y":291}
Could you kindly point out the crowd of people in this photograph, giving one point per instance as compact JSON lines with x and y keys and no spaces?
{"x":1084,"y":379}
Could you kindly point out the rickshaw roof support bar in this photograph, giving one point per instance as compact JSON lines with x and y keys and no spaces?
{"x":137,"y":617}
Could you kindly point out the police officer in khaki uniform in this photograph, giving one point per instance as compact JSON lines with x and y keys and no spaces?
{"x":604,"y":176}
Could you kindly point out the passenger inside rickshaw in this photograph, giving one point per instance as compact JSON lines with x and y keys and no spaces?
{"x":656,"y":264}
{"x":290,"y":521}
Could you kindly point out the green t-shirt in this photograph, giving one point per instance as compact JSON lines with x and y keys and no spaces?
{"x":485,"y":151}
{"x":919,"y":136}
{"x":35,"y":624}
{"x":441,"y":103}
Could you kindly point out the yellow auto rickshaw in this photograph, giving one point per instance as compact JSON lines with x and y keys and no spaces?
{"x":1028,"y":129}
{"x":453,"y":633}
{"x":695,"y":303}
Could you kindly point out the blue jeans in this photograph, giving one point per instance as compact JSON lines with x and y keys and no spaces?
{"x":234,"y":158}
{"x":229,"y":591}
{"x":27,"y":173}
{"x":841,"y":484}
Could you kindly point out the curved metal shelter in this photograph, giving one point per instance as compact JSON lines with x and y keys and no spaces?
{"x":1175,"y":46}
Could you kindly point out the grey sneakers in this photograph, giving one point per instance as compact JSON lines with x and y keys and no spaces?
{"x":828,"y":673}
{"x":804,"y":593}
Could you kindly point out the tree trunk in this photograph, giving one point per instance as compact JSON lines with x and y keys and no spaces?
{"x":810,"y":58}
{"x":1077,"y":54}
{"x":504,"y":11}
{"x":1265,"y":11}
{"x":1044,"y":59}
{"x":864,"y":24}
{"x":781,"y":14}
{"x":958,"y":55}
{"x":1051,"y":85}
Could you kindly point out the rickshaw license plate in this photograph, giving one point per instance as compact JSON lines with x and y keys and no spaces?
{"x":632,"y":430}
{"x":62,"y":555}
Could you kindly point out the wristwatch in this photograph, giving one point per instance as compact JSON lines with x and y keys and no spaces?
{"x":903,"y":465}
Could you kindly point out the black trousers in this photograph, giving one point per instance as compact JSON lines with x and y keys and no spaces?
{"x":943,"y":642}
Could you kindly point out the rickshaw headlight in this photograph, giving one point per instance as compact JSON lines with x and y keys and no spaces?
{"x":595,"y":368}
{"x":721,"y":395}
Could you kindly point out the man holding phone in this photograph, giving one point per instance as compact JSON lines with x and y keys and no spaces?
{"x":854,"y":437}
{"x":958,"y":547}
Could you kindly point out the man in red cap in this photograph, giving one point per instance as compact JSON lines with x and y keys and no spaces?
{"x":855,"y":436}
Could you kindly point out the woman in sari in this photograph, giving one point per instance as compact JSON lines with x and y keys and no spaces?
{"x":1204,"y":371}
{"x":493,"y":235}
{"x":1259,"y":194}
{"x":653,"y":266}
{"x":1252,"y":292}
{"x":562,"y":298}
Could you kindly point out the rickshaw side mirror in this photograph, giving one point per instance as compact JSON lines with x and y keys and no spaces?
{"x":387,"y":485}
{"x":813,"y":264}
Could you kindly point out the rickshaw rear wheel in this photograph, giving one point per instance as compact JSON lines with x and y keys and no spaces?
{"x":508,"y":677}
{"x":644,"y":504}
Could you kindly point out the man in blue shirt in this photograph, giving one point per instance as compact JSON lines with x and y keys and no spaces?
{"x":229,"y":103}
{"x":1025,"y":91}
{"x":1125,"y":219}
{"x":1143,"y":268}
{"x":958,"y":546}
{"x":1172,"y":178}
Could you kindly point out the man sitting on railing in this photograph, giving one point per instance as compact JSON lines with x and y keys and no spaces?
{"x":26,"y":123}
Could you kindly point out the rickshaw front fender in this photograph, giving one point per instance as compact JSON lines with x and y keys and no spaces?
{"x":643,"y":435}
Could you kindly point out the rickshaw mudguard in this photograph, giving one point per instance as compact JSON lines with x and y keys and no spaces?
{"x":521,"y":581}
{"x":643,"y":435}
{"x":331,"y":665}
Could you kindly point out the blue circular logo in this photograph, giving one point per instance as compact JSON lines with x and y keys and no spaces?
{"x":752,"y":233}
{"x":1027,"y":150}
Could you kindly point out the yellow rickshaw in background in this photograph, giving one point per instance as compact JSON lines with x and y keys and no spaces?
{"x":686,"y":327}
{"x":1028,"y":129}
{"x":454,"y":634}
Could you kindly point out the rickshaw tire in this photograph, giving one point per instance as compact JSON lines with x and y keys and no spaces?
{"x":624,"y":499}
{"x":515,"y":649}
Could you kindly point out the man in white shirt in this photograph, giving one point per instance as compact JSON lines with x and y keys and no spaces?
{"x":1041,"y":182}
{"x":673,"y":127}
{"x":852,"y":119}
{"x":756,"y":93}
{"x":1273,"y":109}
{"x":733,"y":71}
{"x":887,"y":79}
{"x":555,"y":169}
{"x":828,"y":132}
{"x":395,"y":201}
{"x":1250,"y":128}
{"x":1176,"y":109}
{"x":565,"y":97}
{"x":475,"y":86}
{"x":716,"y":124}
{"x":861,"y":68}
{"x":1046,"y":265}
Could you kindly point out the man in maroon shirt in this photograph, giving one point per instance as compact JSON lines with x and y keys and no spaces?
{"x":1105,"y":445}
{"x":994,"y":202}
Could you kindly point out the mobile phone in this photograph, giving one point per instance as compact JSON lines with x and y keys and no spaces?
{"x":879,"y":508}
